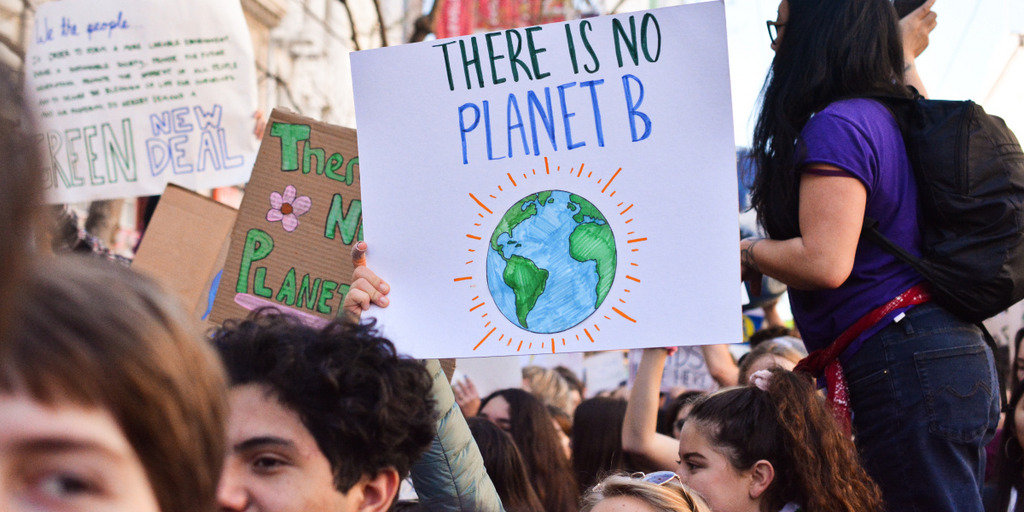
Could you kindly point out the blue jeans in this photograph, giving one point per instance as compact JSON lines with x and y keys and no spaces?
{"x":925,"y":401}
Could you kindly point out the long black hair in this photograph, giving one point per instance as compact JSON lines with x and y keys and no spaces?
{"x":533,"y":431}
{"x":829,"y":51}
{"x":1010,"y":459}
{"x":505,"y":466}
{"x":597,"y":441}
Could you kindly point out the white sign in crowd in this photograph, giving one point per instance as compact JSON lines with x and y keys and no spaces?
{"x":134,"y":95}
{"x":558,"y":188}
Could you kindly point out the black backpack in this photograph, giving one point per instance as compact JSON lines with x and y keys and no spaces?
{"x":970,"y":177}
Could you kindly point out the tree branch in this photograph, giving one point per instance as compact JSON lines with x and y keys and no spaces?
{"x":380,"y":20}
{"x":351,"y":24}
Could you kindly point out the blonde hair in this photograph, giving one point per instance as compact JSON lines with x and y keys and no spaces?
{"x":550,"y":387}
{"x":668,"y":497}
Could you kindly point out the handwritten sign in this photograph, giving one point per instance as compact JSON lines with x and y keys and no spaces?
{"x":133,"y":95}
{"x":557,"y":188}
{"x":291,"y":246}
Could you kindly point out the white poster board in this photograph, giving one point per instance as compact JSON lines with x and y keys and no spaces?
{"x":560,"y":188}
{"x":133,"y":95}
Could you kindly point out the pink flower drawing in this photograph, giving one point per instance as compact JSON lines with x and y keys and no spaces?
{"x":287,"y":208}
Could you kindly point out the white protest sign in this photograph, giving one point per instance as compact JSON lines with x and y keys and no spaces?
{"x":490,"y":374}
{"x":561,"y":188}
{"x":133,"y":95}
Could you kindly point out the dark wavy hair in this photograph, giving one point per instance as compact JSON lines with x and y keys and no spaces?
{"x":1010,"y":459}
{"x":830,"y":51}
{"x":367,"y":408}
{"x":505,"y":466}
{"x":597,"y":441}
{"x":790,"y":426}
{"x":533,"y":430}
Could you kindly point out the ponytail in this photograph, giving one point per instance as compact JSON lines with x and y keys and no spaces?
{"x":789,"y":425}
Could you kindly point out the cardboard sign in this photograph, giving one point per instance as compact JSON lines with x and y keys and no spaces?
{"x":185,"y":246}
{"x":559,"y":188}
{"x":291,"y":246}
{"x":133,"y":95}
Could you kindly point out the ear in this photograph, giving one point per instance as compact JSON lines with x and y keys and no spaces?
{"x":379,"y":491}
{"x":762,"y":474}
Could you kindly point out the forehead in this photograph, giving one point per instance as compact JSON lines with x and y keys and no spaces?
{"x":693,"y":441}
{"x":31,"y":427}
{"x":254,"y":412}
{"x":496,"y":407}
{"x":22,"y":416}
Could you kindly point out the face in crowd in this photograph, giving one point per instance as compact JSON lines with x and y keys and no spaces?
{"x":108,"y":400}
{"x":320,"y":420}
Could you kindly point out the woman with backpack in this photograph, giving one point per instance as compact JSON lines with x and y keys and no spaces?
{"x":920,"y":382}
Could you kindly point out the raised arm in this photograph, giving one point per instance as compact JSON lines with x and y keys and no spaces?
{"x":915,"y":28}
{"x":639,"y":429}
{"x":721,"y":364}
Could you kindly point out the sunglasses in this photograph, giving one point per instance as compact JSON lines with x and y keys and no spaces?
{"x":663,"y":478}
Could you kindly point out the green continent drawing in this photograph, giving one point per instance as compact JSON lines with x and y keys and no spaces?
{"x":594,"y":242}
{"x":527,"y":282}
{"x":551,"y":261}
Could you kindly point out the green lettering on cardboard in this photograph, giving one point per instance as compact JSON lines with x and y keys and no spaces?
{"x":258,"y":279}
{"x":286,"y":295}
{"x":308,"y":294}
{"x":338,"y":220}
{"x":350,"y":170}
{"x":308,"y":155}
{"x":343,"y":291}
{"x":333,"y":164}
{"x":258,"y":245}
{"x":326,"y":294}
{"x":290,"y":135}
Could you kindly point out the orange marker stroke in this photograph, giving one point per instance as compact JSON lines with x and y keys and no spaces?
{"x":479,"y":203}
{"x":610,"y":180}
{"x":485,"y":339}
{"x":623,"y":315}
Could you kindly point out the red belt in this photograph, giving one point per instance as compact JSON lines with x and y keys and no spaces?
{"x":826,"y":361}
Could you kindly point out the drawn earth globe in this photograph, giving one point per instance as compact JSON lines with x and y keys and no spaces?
{"x":551,"y":261}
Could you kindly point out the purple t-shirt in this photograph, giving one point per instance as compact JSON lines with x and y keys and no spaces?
{"x":861,"y":137}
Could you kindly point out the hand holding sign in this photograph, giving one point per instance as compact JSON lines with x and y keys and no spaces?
{"x":367,"y":288}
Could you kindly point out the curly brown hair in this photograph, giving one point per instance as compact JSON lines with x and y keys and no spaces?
{"x":790,"y":426}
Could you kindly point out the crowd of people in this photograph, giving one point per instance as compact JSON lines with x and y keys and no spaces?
{"x":112,"y":399}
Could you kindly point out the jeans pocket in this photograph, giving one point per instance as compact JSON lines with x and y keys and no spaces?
{"x":957,"y":388}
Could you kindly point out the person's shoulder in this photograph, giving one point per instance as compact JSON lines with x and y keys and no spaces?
{"x":856,"y":110}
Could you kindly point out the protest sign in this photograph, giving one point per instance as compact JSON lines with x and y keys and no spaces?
{"x":185,"y":246}
{"x":490,"y":374}
{"x":132,"y":95}
{"x":291,"y":246}
{"x":604,"y":372}
{"x":557,"y":188}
